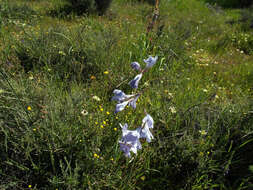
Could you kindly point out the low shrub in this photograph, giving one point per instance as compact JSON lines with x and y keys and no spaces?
{"x":231,"y":3}
{"x":81,"y":7}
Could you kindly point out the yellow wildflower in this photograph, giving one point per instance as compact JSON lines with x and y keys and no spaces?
{"x":115,"y":129}
{"x":108,"y":113}
{"x":92,"y":77}
{"x":106,"y":72}
{"x":29,"y":108}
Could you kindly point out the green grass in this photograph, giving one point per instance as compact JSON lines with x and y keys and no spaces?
{"x":52,"y":67}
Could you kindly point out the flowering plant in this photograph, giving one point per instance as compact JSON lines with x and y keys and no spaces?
{"x":130,"y":141}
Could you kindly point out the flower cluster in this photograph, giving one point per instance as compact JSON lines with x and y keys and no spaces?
{"x":130,"y":141}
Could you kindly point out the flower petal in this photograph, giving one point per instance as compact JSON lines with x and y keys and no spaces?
{"x":121,"y":106}
{"x":145,"y":133}
{"x":148,"y":121}
{"x":132,"y":103}
{"x":120,"y":96}
{"x":136,"y":66}
{"x":150,"y":61}
{"x":134,"y":83}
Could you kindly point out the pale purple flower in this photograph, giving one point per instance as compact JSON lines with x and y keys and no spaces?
{"x":130,"y":140}
{"x":132,"y":103}
{"x":150,"y":61}
{"x":136,"y":66}
{"x":134,"y":83}
{"x":128,"y":100}
{"x":125,"y":148}
{"x":121,"y":106}
{"x":120,"y":96}
{"x":147,"y":123}
{"x":146,"y":134}
{"x":148,"y":120}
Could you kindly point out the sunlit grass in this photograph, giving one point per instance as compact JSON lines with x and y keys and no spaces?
{"x":57,"y":120}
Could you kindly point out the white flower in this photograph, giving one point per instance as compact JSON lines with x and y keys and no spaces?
{"x":172,"y":109}
{"x":96,"y":98}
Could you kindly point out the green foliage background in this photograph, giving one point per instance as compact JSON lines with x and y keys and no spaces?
{"x":53,"y":68}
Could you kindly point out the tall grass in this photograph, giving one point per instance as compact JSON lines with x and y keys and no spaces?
{"x":58,"y":130}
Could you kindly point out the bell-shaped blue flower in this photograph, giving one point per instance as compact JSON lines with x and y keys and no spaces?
{"x":136,"y":66}
{"x":132,"y":103}
{"x":150,"y":61}
{"x":123,"y":102}
{"x":134,"y":83}
{"x":147,"y":123}
{"x":130,"y":140}
{"x":121,"y":106}
{"x":146,"y":134}
{"x":120,"y":96}
{"x":148,"y":120}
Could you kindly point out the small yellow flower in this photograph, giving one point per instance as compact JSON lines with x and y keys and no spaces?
{"x":201,"y":154}
{"x":102,"y":126}
{"x":29,"y":108}
{"x":34,"y":129}
{"x":111,"y":159}
{"x":92,"y":77}
{"x":106,"y":72}
{"x":104,"y":122}
{"x":202,"y":132}
{"x":115,"y":129}
{"x":29,"y":186}
{"x":101,"y":109}
{"x":95,"y":155}
{"x":96,"y":122}
{"x":117,"y":118}
{"x":143,"y":178}
{"x":108,"y":113}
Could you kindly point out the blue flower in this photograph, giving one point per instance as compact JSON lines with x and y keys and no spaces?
{"x":120,"y":96}
{"x":130,"y":140}
{"x":134,"y":83}
{"x":132,"y":103}
{"x":150,"y":61}
{"x":121,"y":106}
{"x":148,"y":120}
{"x":136,"y":66}
{"x":129,"y":100}
{"x":147,"y":123}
